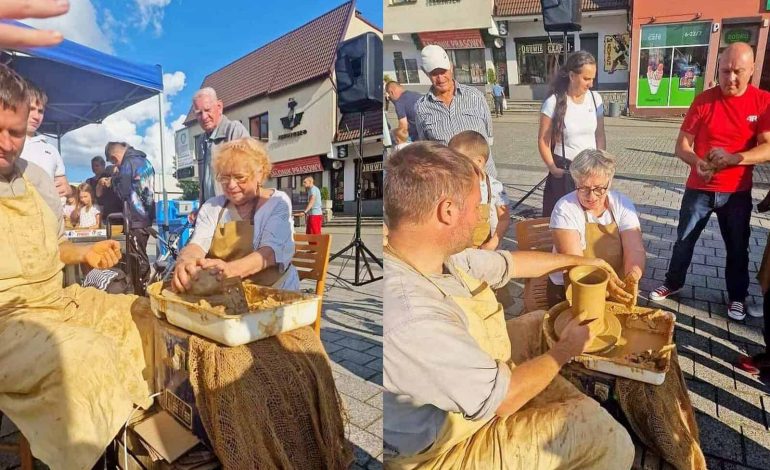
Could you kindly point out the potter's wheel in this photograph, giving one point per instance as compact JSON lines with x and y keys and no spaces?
{"x":604,"y":341}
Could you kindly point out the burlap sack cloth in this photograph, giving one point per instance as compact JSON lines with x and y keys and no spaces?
{"x":271,"y":404}
{"x":661,"y":416}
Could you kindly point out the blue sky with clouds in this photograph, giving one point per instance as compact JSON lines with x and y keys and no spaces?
{"x":190,"y":39}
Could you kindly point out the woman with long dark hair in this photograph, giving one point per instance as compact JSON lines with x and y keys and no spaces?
{"x":571,"y":120}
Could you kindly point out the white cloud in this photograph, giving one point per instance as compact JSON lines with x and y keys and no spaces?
{"x":151,"y":14}
{"x":136,"y":125}
{"x":79,"y":24}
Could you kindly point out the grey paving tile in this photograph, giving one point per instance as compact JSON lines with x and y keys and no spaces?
{"x":346,"y":354}
{"x":376,"y":428}
{"x":367,"y":445}
{"x":740,"y":409}
{"x":348,"y":367}
{"x":757,"y":444}
{"x":744,"y":333}
{"x":703,"y":397}
{"x":356,"y":387}
{"x":694,"y":308}
{"x":718,"y":439}
{"x":355,"y":344}
{"x":361,"y":414}
{"x":375,"y":401}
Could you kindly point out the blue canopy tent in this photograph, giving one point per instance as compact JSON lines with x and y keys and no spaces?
{"x":84,"y":86}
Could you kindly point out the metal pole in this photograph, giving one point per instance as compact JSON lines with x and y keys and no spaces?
{"x":162,"y":161}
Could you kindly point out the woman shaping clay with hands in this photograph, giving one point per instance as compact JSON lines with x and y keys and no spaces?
{"x":246,"y":232}
{"x":595,"y":221}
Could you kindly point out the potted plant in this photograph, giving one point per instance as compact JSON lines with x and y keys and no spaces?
{"x":326,"y":201}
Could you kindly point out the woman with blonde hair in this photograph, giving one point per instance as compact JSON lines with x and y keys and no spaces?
{"x":248,"y":230}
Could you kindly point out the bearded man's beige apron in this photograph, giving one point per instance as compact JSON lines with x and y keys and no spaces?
{"x":558,"y":429}
{"x":235,"y":240}
{"x":70,"y":359}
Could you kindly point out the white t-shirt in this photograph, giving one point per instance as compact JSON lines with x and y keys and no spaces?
{"x":568,"y":214}
{"x":273,"y":227}
{"x":580,"y":123}
{"x":38,"y":151}
{"x":499,"y":198}
{"x":88,"y":216}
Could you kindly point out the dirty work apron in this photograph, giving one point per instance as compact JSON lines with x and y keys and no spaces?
{"x":483,"y":229}
{"x":603,"y":241}
{"x":70,"y":359}
{"x":556,"y":429}
{"x":234,"y":240}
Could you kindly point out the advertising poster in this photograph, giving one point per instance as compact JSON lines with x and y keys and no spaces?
{"x":672,"y":62}
{"x":616,"y":50}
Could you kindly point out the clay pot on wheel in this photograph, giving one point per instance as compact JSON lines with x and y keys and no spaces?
{"x":589,"y":290}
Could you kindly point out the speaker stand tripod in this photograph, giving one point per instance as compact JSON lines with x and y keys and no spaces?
{"x":360,"y":251}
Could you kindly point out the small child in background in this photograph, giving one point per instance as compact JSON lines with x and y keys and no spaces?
{"x":401,"y":138}
{"x":495,"y":217}
{"x":71,"y":210}
{"x":90,"y":215}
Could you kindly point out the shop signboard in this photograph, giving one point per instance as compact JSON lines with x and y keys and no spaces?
{"x":672,"y":63}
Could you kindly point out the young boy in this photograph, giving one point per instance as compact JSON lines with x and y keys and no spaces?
{"x":492,"y":226}
{"x":37,"y":149}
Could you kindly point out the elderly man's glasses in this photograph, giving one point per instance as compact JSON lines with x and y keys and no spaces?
{"x":239,"y":179}
{"x":597,"y":190}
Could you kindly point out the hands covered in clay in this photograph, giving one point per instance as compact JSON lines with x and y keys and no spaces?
{"x":103,"y":255}
{"x":616,"y":289}
{"x":716,"y":160}
{"x":187,"y":270}
{"x":574,"y":340}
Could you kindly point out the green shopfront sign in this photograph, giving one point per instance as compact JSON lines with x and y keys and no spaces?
{"x":738,"y":35}
{"x":683,"y":34}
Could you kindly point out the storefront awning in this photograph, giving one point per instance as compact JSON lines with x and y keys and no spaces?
{"x":459,"y":39}
{"x":349,"y":126}
{"x":298,"y":166}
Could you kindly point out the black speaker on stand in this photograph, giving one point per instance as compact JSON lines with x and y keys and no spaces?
{"x":562,"y":16}
{"x":359,"y":89}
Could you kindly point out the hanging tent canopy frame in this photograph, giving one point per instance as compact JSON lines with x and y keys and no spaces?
{"x":84,"y":86}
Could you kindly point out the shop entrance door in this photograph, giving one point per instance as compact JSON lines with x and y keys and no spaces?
{"x":764,"y":81}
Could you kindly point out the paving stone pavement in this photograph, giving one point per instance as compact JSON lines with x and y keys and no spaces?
{"x":731,"y":406}
{"x":351,"y":331}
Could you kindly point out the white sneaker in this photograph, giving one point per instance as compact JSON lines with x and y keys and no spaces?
{"x":737,"y":311}
{"x":756,"y":311}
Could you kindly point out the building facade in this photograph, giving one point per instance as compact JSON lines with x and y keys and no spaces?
{"x":464,"y":28}
{"x":284,"y":94}
{"x":526,"y":58}
{"x":676,"y":46}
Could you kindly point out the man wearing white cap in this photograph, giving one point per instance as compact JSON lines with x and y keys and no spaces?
{"x":450,"y":107}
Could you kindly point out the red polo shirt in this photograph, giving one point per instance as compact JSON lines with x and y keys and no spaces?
{"x":731,"y":123}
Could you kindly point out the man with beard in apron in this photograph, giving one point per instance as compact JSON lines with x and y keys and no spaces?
{"x":465,"y":388}
{"x":71,"y":359}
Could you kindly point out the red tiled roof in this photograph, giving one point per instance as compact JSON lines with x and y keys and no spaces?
{"x":304,"y":54}
{"x":348,"y":128}
{"x":533,"y":7}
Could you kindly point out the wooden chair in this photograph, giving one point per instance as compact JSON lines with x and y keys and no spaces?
{"x":534,"y":234}
{"x":20,"y":448}
{"x":311,"y":258}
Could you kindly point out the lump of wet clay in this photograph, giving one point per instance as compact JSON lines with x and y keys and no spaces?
{"x":205,"y":283}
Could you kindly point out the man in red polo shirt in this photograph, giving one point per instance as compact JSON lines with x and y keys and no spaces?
{"x":721,"y":139}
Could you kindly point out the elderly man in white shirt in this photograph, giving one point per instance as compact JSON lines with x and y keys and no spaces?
{"x":37,"y":149}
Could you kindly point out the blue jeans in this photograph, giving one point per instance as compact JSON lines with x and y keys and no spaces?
{"x":734,"y":216}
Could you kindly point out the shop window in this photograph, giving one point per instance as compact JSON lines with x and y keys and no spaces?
{"x":406,"y":69}
{"x":299,"y":195}
{"x":539,"y":59}
{"x":259,"y":127}
{"x":371,"y":179}
{"x":672,"y":64}
{"x":469,"y":65}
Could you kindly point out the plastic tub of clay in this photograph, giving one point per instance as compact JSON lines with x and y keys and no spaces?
{"x":271,"y":312}
{"x":643,"y":351}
